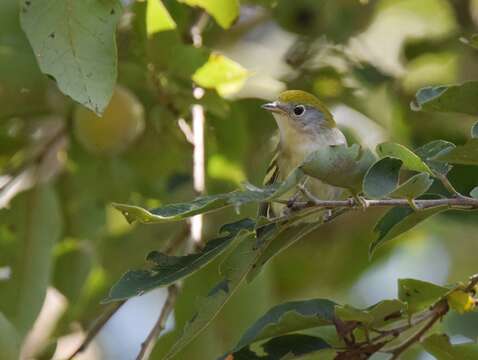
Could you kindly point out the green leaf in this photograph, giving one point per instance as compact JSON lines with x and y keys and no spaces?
{"x":291,"y":346}
{"x":399,"y":220}
{"x":158,"y":18}
{"x":474,"y":193}
{"x":410,"y":160}
{"x":459,"y":98}
{"x":223,"y":11}
{"x":439,"y":346}
{"x":340,"y":165}
{"x":429,"y":151}
{"x":222,"y":74}
{"x":235,"y":269}
{"x":74,"y":41}
{"x":374,"y":316}
{"x":169,"y":269}
{"x":35,"y":218}
{"x":414,"y":187}
{"x":382,"y":178}
{"x":180,"y":211}
{"x":9,"y":341}
{"x":464,"y":154}
{"x":288,"y":317}
{"x":282,"y":241}
{"x":418,"y":294}
{"x":474,"y":131}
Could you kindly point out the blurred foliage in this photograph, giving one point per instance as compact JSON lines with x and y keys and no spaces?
{"x":90,"y":98}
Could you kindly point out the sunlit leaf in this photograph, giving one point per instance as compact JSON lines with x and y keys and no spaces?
{"x":410,"y":160}
{"x":339,"y":165}
{"x":286,"y":318}
{"x":418,"y":294}
{"x":399,"y":220}
{"x":463,"y":154}
{"x":75,"y":47}
{"x":461,"y":301}
{"x":180,"y":211}
{"x":223,"y":11}
{"x":382,"y":178}
{"x":458,"y":98}
{"x":222,"y":74}
{"x":349,"y":313}
{"x":158,"y":18}
{"x":440,"y":347}
{"x":169,"y":269}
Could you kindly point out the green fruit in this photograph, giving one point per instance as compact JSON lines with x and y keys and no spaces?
{"x":121,"y":123}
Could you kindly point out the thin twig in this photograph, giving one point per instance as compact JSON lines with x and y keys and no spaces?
{"x":96,"y":328}
{"x":439,"y":310}
{"x":148,"y":345}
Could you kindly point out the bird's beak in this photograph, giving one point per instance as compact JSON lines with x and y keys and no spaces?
{"x":273,"y":107}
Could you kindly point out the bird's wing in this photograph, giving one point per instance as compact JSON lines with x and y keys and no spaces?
{"x":272,"y":175}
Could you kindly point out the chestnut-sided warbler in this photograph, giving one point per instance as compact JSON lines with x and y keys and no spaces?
{"x":305,"y":125}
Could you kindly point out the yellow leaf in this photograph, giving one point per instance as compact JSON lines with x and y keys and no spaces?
{"x":222,"y":74}
{"x":158,"y":18}
{"x":223,"y":11}
{"x":461,"y":301}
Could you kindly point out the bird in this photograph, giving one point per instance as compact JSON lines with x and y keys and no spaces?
{"x":305,"y":125}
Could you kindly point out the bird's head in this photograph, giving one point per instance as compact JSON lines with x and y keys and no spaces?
{"x":301,"y":111}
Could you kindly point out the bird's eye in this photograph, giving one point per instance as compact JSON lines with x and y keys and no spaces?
{"x":299,"y":110}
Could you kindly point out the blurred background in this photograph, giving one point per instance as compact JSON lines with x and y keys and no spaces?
{"x":60,"y":169}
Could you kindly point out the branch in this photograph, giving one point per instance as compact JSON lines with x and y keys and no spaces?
{"x":455,"y":202}
{"x":148,"y":345}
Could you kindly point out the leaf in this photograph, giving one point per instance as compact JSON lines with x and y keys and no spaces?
{"x":399,"y":220}
{"x":291,"y":346}
{"x":288,"y":317}
{"x":75,"y":47}
{"x":235,"y":269}
{"x":374,"y":316}
{"x":474,"y":193}
{"x":439,"y":346}
{"x":410,"y":160}
{"x":158,"y":18}
{"x":382,"y":178}
{"x":9,"y":341}
{"x":223,"y":11}
{"x":35,"y":220}
{"x":281,"y":242}
{"x":169,"y":269}
{"x":339,"y":165}
{"x":461,"y":301}
{"x":418,"y":294}
{"x":204,"y":204}
{"x":472,"y":41}
{"x":222,"y":74}
{"x":474,"y":131}
{"x":458,"y":98}
{"x":429,"y":151}
{"x":465,"y":154}
{"x":414,"y":187}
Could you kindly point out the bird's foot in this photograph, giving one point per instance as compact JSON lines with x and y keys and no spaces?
{"x":361,"y":202}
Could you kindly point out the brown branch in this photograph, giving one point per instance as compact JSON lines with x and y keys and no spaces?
{"x":148,"y":345}
{"x":438,"y":311}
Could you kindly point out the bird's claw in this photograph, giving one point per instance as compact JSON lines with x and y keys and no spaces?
{"x":361,"y":202}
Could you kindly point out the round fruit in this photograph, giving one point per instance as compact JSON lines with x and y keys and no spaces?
{"x":122,"y":122}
